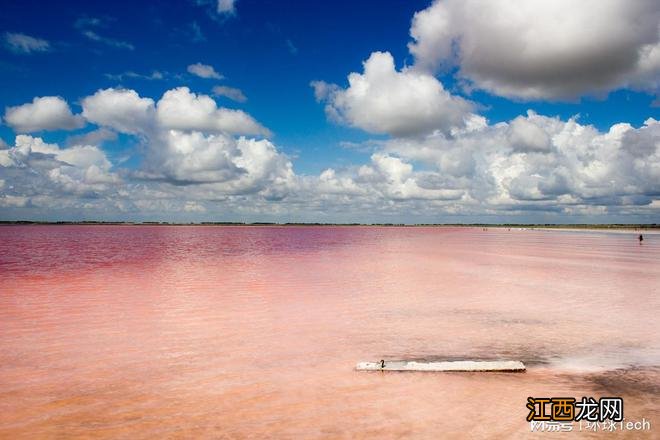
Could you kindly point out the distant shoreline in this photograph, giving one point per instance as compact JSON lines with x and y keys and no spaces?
{"x":573,"y":227}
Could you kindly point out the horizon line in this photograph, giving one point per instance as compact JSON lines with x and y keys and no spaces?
{"x":230,"y":223}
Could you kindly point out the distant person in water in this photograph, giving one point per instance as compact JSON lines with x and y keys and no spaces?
{"x":641,"y":238}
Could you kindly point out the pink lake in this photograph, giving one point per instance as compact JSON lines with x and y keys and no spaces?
{"x":143,"y":332}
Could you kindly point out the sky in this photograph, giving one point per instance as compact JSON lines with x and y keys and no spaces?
{"x":453,"y":111}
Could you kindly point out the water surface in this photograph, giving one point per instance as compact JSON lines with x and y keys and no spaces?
{"x":253,"y":332}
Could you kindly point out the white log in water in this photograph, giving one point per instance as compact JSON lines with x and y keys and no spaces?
{"x":505,"y":366}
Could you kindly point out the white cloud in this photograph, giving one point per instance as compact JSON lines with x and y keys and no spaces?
{"x":194,"y":207}
{"x":232,"y":166}
{"x":36,"y":168}
{"x":9,"y":201}
{"x":441,"y":153}
{"x":180,"y":109}
{"x":226,"y":6}
{"x":399,"y":182}
{"x":44,"y":113}
{"x":482,"y":170}
{"x":204,"y":71}
{"x":539,"y":49}
{"x":121,"y":109}
{"x":189,"y":140}
{"x":229,"y":92}
{"x":194,"y":157}
{"x":193,"y":166}
{"x":88,"y":28}
{"x":526,"y":135}
{"x":94,"y":36}
{"x":186,"y":142}
{"x":536,"y":158}
{"x":154,"y":75}
{"x":399,"y":103}
{"x":84,"y":156}
{"x":219,"y":10}
{"x":21,"y":43}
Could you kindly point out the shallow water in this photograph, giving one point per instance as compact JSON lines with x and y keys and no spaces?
{"x":253,"y":332}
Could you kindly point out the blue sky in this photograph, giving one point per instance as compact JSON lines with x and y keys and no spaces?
{"x":249,"y":49}
{"x":273,"y":50}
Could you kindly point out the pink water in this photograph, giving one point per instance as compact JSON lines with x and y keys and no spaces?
{"x":253,"y":332}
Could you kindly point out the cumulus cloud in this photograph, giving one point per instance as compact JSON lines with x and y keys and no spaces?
{"x":43,"y":177}
{"x":125,"y":111}
{"x":43,"y":113}
{"x":232,"y":166}
{"x":504,"y":170}
{"x":183,"y":172}
{"x":541,"y":49}
{"x":399,"y":103}
{"x":204,"y":71}
{"x":189,"y":140}
{"x":21,"y":43}
{"x":442,"y":157}
{"x":181,"y":109}
{"x":547,"y":160}
{"x":186,"y":142}
{"x":196,"y":162}
{"x":194,"y":157}
{"x":120,"y":109}
{"x":531,"y":164}
{"x":527,"y":135}
{"x":229,"y":92}
{"x":37,"y":169}
{"x":397,"y":181}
